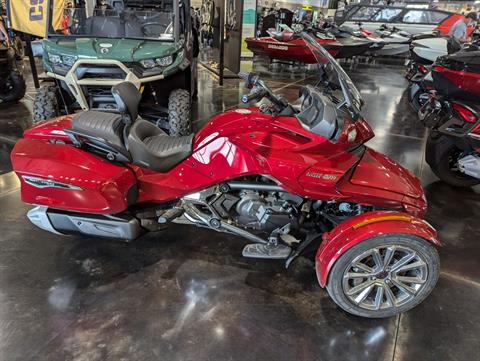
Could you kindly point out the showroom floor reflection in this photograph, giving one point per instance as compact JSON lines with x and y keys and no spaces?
{"x":187,"y":294}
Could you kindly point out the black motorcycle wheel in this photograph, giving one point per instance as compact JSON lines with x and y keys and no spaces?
{"x":14,"y":88}
{"x":445,"y":166}
{"x":384,"y":275}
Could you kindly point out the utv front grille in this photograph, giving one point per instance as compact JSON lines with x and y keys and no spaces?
{"x":92,"y":71}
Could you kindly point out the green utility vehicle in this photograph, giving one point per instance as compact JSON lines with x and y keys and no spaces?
{"x":150,"y":43}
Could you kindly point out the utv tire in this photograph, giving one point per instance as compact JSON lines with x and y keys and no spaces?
{"x":179,"y":106}
{"x":45,"y":105}
{"x":441,"y":153}
{"x":428,"y":273}
{"x":19,"y":48}
{"x":14,"y":88}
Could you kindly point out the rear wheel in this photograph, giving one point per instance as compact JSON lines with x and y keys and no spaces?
{"x":45,"y":105}
{"x":384,"y":275}
{"x":445,"y":163}
{"x":14,"y":88}
{"x":179,"y":109}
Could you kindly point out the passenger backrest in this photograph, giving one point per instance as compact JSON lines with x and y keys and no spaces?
{"x":127,"y":97}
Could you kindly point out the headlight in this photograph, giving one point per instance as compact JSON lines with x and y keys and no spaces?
{"x":69,"y":60}
{"x":165,"y":61}
{"x":54,"y":59}
{"x":152,"y":63}
{"x":148,"y":63}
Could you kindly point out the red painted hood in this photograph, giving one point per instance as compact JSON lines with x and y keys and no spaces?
{"x":376,"y":170}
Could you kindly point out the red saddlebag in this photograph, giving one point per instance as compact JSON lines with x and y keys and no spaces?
{"x":64,"y":177}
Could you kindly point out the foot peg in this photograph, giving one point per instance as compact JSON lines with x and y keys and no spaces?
{"x":259,"y":250}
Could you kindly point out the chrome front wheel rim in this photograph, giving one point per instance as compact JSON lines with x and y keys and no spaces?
{"x":385,"y":277}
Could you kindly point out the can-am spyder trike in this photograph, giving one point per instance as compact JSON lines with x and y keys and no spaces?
{"x":290,"y":178}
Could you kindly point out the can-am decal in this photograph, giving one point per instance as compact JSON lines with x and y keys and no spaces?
{"x":278,"y":47}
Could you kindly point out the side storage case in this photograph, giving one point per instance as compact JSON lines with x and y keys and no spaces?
{"x":64,"y":177}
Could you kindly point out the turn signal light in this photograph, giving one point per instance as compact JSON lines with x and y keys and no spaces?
{"x":466,"y":114}
{"x":368,"y":221}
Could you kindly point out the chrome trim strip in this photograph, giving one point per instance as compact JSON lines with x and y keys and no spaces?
{"x":47,"y":183}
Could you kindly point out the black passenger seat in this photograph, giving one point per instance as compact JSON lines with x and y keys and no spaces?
{"x":152,"y":148}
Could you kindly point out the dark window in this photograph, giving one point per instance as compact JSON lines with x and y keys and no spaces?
{"x":386,"y":14}
{"x":364,"y":13}
{"x":424,"y":17}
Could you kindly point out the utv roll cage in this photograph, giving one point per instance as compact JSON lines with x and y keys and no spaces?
{"x":172,"y":5}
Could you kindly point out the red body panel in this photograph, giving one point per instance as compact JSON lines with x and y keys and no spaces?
{"x":231,"y":145}
{"x":380,"y":181}
{"x":454,"y":81}
{"x":345,"y":236}
{"x":293,"y":50}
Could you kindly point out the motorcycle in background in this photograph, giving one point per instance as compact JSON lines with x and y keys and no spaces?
{"x":289,"y":178}
{"x":453,"y":114}
{"x":419,"y":74}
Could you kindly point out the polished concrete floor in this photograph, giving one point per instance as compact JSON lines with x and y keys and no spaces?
{"x":187,"y":294}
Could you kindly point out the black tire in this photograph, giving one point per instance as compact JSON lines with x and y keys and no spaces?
{"x":45,"y":105}
{"x":442,"y":156}
{"x":421,"y":247}
{"x":19,"y":48}
{"x":14,"y":88}
{"x":179,"y":105}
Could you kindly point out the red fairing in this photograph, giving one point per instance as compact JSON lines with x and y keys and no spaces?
{"x":380,"y":181}
{"x":100,"y":186}
{"x":360,"y":228}
{"x":293,"y":50}
{"x":234,"y":144}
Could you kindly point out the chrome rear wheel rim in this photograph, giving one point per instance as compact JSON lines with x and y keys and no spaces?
{"x":385,"y":277}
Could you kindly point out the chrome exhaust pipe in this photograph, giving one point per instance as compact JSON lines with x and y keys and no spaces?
{"x":105,"y":226}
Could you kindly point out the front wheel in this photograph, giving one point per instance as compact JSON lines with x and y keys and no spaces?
{"x":384,"y":276}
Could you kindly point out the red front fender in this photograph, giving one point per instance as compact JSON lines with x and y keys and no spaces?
{"x":360,"y":228}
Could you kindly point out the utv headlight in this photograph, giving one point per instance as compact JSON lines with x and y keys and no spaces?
{"x":148,"y":63}
{"x":165,"y":61}
{"x":161,"y":62}
{"x":54,"y":59}
{"x":69,"y":60}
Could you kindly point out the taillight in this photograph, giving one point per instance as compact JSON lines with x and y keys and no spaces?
{"x":422,"y":69}
{"x":466,"y":114}
{"x":438,"y":69}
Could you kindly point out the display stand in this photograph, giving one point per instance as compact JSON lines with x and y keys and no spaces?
{"x":221,"y":37}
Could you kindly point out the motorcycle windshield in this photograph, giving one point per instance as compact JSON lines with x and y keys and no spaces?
{"x":336,"y":77}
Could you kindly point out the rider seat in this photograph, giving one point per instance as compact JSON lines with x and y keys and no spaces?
{"x":137,"y":140}
{"x":101,"y":128}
